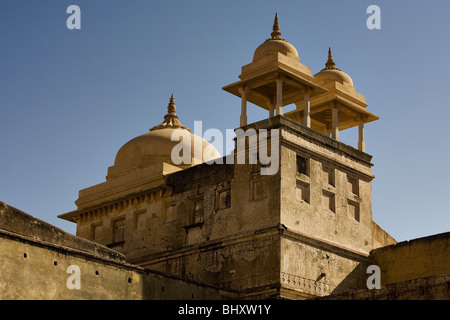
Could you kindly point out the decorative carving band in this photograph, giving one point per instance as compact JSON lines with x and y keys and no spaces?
{"x":121,"y":204}
{"x":318,"y":288}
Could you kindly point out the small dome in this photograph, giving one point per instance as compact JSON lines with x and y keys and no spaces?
{"x":331,"y":73}
{"x":271,"y":46}
{"x":274,"y":44}
{"x":334,"y":75}
{"x":156,"y":146}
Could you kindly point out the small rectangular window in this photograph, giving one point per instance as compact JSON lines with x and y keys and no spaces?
{"x":353,"y":185}
{"x":97,"y":232}
{"x":328,"y":200}
{"x":302,"y":191}
{"x":301,"y":165}
{"x":257,"y":189}
{"x":140,"y":219}
{"x":224,"y":199}
{"x":119,"y":230}
{"x":198,"y":211}
{"x":328,"y":176}
{"x":170,"y":213}
{"x":353,"y":210}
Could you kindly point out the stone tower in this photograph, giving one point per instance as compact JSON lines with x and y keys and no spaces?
{"x":324,"y":188}
{"x":304,"y":231}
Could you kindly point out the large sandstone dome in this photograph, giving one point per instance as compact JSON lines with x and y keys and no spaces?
{"x":156,"y":147}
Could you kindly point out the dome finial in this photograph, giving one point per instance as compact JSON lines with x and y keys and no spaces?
{"x":170,"y":119}
{"x":276,"y":35}
{"x":330,"y":63}
{"x":171,"y":107}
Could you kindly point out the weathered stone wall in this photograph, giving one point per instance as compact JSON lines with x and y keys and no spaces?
{"x":418,"y":269}
{"x":244,"y":264}
{"x":380,"y":237}
{"x":144,"y":225}
{"x":332,"y":199}
{"x":39,"y":261}
{"x":235,"y":246}
{"x":414,"y":259}
{"x":430,"y":288}
{"x":313,"y":268}
{"x":326,"y":208}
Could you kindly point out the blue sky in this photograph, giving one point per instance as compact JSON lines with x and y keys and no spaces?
{"x":69,"y":99}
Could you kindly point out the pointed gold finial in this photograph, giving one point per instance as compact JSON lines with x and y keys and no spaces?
{"x":170,"y":119}
{"x":330,"y":65}
{"x":276,"y":35}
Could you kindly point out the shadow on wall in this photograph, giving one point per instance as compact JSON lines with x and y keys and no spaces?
{"x":355,"y":280}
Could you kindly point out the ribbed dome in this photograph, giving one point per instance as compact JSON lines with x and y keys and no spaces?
{"x":156,"y":146}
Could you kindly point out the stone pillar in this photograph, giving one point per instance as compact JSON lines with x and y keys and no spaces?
{"x":335,"y":123}
{"x":243,"y":92}
{"x":307,"y":110}
{"x":271,"y":109}
{"x":279,"y":103}
{"x":361,"y":140}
